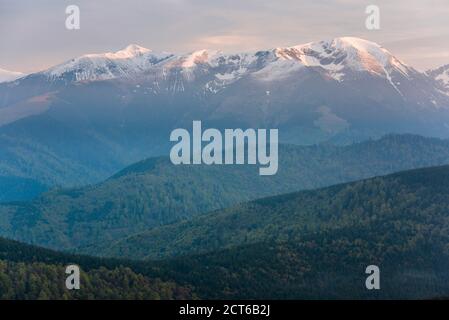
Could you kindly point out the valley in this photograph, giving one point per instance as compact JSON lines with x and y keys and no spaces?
{"x":306,"y":245}
{"x":155,"y":192}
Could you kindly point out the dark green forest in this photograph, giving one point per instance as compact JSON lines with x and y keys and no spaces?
{"x":416,"y":201}
{"x":40,"y":281}
{"x":306,"y":245}
{"x":28,"y":272}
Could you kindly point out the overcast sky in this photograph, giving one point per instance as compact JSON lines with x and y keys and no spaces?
{"x":33,"y":34}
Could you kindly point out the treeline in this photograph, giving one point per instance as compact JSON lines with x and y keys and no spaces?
{"x":328,"y":265}
{"x":29,"y":272}
{"x":40,"y":281}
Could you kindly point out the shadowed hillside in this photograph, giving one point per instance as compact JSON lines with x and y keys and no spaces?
{"x":155,"y":192}
{"x":311,"y":244}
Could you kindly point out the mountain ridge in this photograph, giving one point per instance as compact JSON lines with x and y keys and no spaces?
{"x":358,"y":52}
{"x":290,"y":217}
{"x":155,"y":192}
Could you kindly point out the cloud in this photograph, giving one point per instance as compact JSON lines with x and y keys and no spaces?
{"x":34,"y":35}
{"x":229,"y":42}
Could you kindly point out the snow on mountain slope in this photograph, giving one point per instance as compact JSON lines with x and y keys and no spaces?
{"x":336,"y":55}
{"x":198,"y":57}
{"x":209,"y":58}
{"x":441,"y":76}
{"x":336,"y":58}
{"x":347,"y":60}
{"x":333,"y":56}
{"x":127,"y":62}
{"x":6,"y":75}
{"x":356,"y":63}
{"x":211,"y":70}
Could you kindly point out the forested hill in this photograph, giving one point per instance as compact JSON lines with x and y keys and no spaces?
{"x":312,"y":244}
{"x":413,"y":203}
{"x":155,"y":192}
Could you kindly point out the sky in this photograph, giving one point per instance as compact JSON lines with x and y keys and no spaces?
{"x":33,"y":35}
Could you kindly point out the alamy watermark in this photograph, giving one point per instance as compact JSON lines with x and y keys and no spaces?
{"x":372,"y":22}
{"x":72,"y":281}
{"x":372,"y":282}
{"x":72,"y":21}
{"x":189,"y":150}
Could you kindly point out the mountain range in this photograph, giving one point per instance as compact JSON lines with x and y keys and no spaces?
{"x":83,"y":120}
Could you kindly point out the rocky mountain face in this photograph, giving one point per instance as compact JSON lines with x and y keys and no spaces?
{"x":441,"y":76}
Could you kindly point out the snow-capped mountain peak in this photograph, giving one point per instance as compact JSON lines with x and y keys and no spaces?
{"x":197,"y":57}
{"x":132,"y":50}
{"x":6,"y":75}
{"x":126,"y":62}
{"x":344,"y":87}
{"x":129,"y":52}
{"x":345,"y":52}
